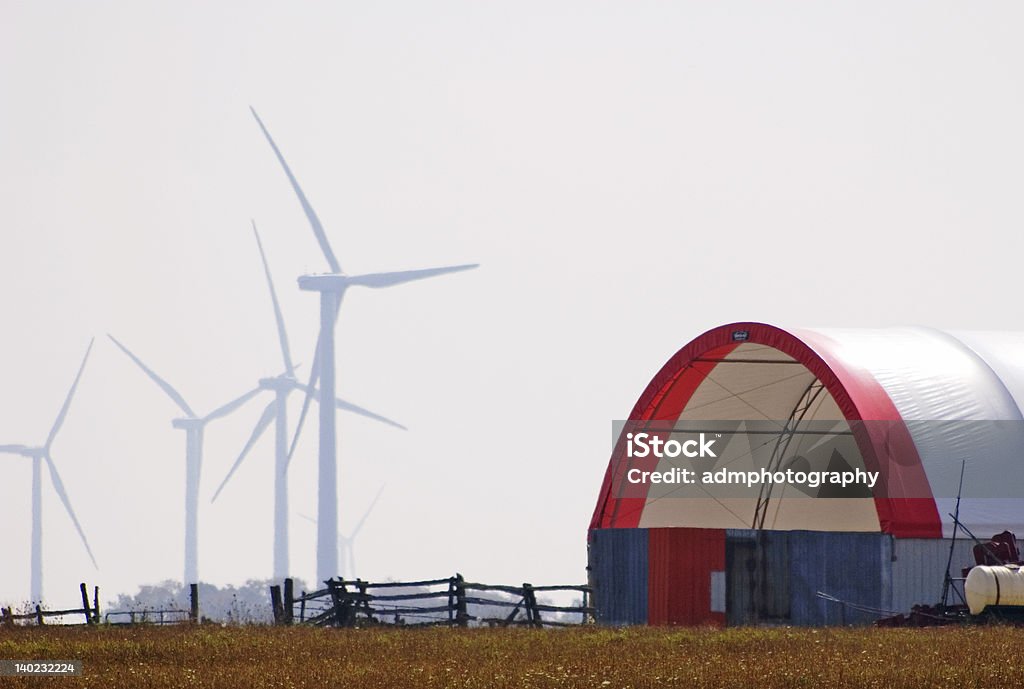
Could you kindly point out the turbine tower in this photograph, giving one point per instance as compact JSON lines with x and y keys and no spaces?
{"x":38,"y":455}
{"x":332,"y":287}
{"x":347,"y":544}
{"x":277,"y":411}
{"x":193,"y":425}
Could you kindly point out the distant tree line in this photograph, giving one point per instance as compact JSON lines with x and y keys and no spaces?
{"x":248,"y":603}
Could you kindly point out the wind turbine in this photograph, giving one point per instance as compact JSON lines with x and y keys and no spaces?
{"x":38,"y":455}
{"x":347,"y":543}
{"x":193,"y":425}
{"x":277,"y":411}
{"x":332,"y":287}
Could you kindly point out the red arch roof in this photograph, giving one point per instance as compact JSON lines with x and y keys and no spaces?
{"x":856,"y":390}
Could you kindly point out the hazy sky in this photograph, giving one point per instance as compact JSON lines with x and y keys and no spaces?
{"x":628,"y":174}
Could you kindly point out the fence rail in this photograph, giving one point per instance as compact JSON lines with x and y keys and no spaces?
{"x":354,"y":603}
{"x":91,"y":612}
{"x":147,"y":616}
{"x":159,"y":617}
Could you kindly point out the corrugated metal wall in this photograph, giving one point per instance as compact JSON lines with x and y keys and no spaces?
{"x":919,"y":567}
{"x":677,"y":576}
{"x":853,"y":567}
{"x":618,"y":569}
{"x":681,"y":567}
{"x":757,"y":577}
{"x":774,"y":576}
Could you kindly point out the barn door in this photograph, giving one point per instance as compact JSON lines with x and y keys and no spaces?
{"x":757,"y":579}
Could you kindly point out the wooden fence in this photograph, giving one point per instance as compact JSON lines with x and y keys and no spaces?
{"x":91,"y":612}
{"x":159,"y":617}
{"x":451,"y":602}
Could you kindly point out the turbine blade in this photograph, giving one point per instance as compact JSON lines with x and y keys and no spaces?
{"x":314,"y":374}
{"x":282,"y":334}
{"x":355,"y":409}
{"x":261,"y":425}
{"x":366,"y":514}
{"x":58,"y":486}
{"x":232,"y":405}
{"x":164,"y":385}
{"x":14,"y":449}
{"x":67,"y":400}
{"x":376,"y":280}
{"x":314,"y":221}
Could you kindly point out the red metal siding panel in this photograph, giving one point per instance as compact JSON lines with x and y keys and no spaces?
{"x":680,"y":563}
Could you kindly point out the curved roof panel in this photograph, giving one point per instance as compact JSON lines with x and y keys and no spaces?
{"x":928,"y":400}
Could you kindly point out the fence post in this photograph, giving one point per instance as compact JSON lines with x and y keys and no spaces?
{"x":336,"y":601}
{"x":86,"y":609}
{"x":344,"y":616}
{"x":532,"y":615}
{"x":302,"y":608}
{"x":275,"y":604}
{"x":348,"y":611}
{"x":289,"y":601}
{"x":451,"y":601}
{"x":96,"y":603}
{"x":364,"y":601}
{"x":39,"y":615}
{"x":193,"y":594}
{"x":8,"y":617}
{"x":461,"y":616}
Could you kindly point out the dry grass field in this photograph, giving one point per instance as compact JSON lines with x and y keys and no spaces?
{"x":214,"y":656}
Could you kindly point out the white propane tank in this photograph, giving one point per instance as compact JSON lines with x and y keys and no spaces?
{"x":994,"y":585}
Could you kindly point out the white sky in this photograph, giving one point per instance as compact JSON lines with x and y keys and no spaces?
{"x":628,"y":173}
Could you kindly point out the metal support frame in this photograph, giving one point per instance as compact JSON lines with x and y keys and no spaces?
{"x":803,"y":405}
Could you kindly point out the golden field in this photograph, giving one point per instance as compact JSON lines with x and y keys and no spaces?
{"x":215,"y":656}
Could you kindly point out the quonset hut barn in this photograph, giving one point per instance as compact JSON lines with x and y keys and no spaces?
{"x":914,"y":404}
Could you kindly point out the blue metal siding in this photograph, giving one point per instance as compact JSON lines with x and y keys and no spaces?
{"x":853,"y":567}
{"x":618,"y":562}
{"x":919,"y":568}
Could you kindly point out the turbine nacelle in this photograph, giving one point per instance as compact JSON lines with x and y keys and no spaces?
{"x":23,"y":451}
{"x":324,"y":282}
{"x":186,"y":424}
{"x":337,"y":283}
{"x":282,"y":383}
